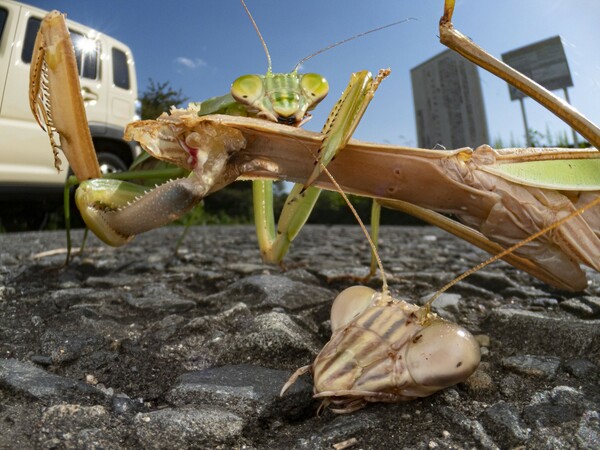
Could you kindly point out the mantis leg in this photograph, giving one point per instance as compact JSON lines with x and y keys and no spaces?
{"x":337,"y":131}
{"x":375,"y":220}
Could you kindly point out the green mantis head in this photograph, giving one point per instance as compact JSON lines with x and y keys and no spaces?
{"x":280,"y":97}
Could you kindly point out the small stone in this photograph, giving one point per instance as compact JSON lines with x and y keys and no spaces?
{"x":36,"y":321}
{"x":121,"y":404}
{"x":533,"y":365}
{"x":67,"y":346}
{"x":450,"y":395}
{"x":483,"y":340}
{"x":302,"y":276}
{"x":64,"y":298}
{"x":187,"y":427}
{"x":248,"y":391}
{"x":594,"y":303}
{"x":272,"y":291}
{"x":114,"y":281}
{"x":588,"y":434}
{"x":544,"y":302}
{"x":77,"y":426}
{"x":492,"y":281}
{"x":72,"y":413}
{"x":345,"y":426}
{"x":247,"y":268}
{"x":157,"y":297}
{"x":502,"y":421}
{"x":578,"y":308}
{"x":31,"y":380}
{"x":479,"y":383}
{"x":530,"y":332}
{"x":551,"y":408}
{"x":447,"y":303}
{"x":41,"y":360}
{"x":582,"y":368}
{"x":276,"y":337}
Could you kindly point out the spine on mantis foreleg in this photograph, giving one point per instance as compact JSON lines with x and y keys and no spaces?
{"x":145,"y":210}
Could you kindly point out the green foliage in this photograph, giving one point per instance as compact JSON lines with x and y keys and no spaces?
{"x":158,"y":98}
{"x":498,"y":142}
{"x":559,"y":139}
{"x":232,"y":204}
{"x":548,"y":139}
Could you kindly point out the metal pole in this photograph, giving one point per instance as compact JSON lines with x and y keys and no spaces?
{"x":527,"y":136}
{"x":575,"y":140}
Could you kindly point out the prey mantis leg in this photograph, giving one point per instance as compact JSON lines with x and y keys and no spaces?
{"x":337,"y":131}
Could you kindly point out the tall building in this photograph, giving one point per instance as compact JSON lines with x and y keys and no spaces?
{"x":449,"y":108}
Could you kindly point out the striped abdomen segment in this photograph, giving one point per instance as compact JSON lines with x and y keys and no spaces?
{"x":368,"y":354}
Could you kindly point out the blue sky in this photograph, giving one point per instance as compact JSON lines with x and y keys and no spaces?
{"x":202,"y":46}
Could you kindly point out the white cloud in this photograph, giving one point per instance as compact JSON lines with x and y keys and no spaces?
{"x":190,"y":63}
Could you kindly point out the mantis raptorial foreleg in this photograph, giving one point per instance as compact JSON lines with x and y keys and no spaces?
{"x":337,"y":131}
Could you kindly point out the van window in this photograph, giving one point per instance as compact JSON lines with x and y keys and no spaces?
{"x":33,"y":25}
{"x":3,"y":15}
{"x":87,"y":51}
{"x":120,"y":69}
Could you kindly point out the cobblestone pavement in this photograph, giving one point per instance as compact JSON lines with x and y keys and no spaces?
{"x":138,"y":348}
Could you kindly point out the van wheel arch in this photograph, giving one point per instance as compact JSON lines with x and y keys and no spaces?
{"x":113,"y":156}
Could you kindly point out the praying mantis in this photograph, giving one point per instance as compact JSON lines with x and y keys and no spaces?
{"x":489,"y":190}
{"x":498,"y":195}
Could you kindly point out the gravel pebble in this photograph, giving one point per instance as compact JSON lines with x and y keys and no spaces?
{"x":187,"y":427}
{"x":533,"y":365}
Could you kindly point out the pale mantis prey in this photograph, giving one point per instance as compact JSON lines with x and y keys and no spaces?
{"x":502,"y":196}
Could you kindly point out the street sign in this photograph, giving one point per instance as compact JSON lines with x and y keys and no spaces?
{"x":449,"y":108}
{"x":544,"y":62}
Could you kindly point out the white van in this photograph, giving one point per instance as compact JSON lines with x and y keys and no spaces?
{"x":109,"y":89}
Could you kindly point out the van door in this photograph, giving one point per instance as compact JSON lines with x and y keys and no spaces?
{"x":123,"y":92}
{"x":91,"y":56}
{"x":8,"y":24}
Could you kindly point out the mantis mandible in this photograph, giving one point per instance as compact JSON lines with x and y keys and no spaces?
{"x":496,"y":192}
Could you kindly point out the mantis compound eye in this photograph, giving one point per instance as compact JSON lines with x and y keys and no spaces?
{"x":442,"y":354}
{"x":350,"y":303}
{"x":315,"y":87}
{"x":247,"y":89}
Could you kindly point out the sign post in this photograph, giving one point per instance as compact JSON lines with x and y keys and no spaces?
{"x":545,"y":63}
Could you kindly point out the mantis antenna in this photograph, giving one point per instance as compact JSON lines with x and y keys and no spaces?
{"x":318,"y":52}
{"x":343,"y":41}
{"x":511,"y":249}
{"x":264,"y":44}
